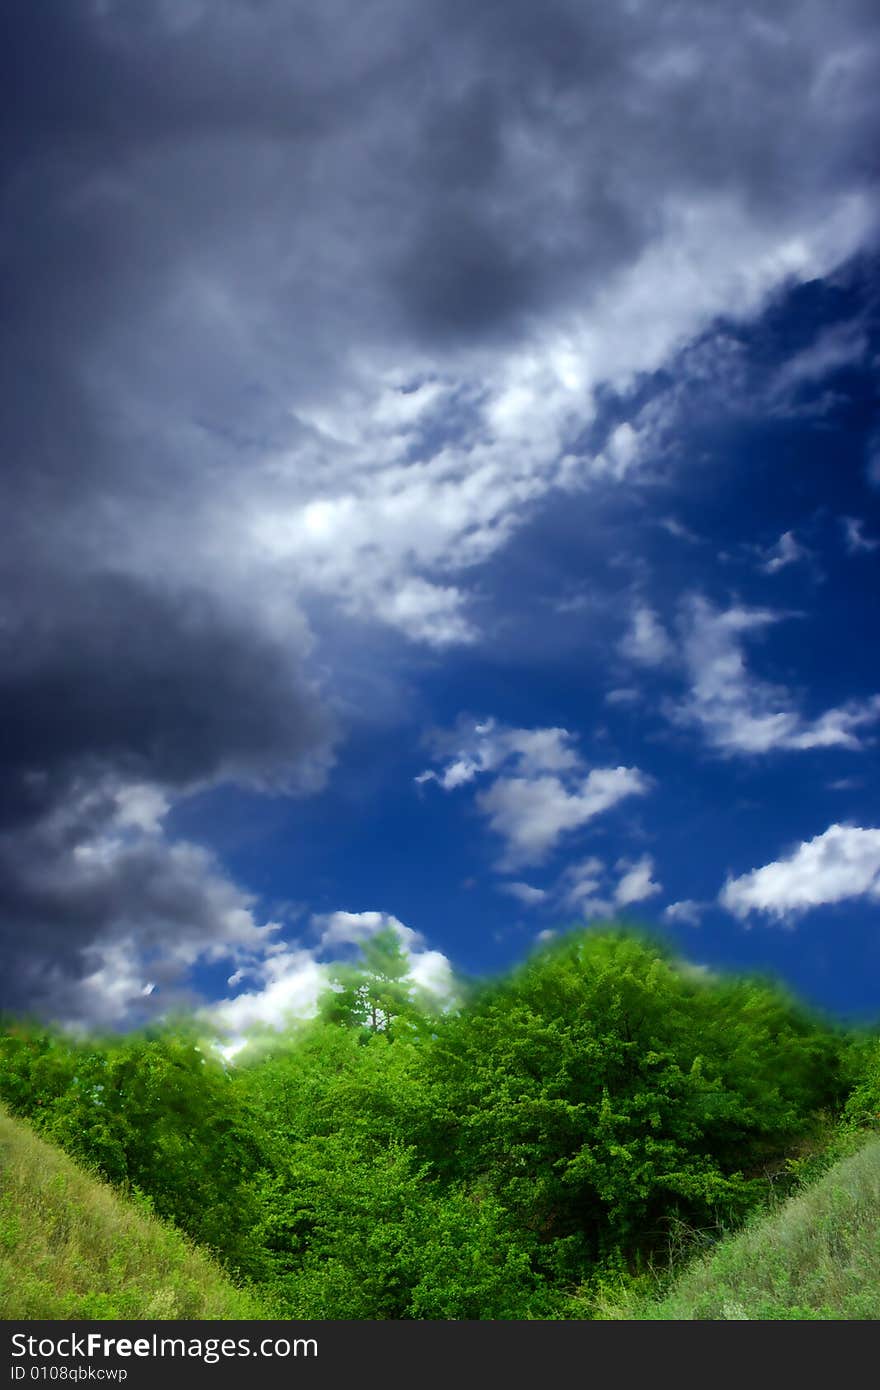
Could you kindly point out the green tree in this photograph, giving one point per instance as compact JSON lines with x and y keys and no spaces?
{"x":377,"y":993}
{"x":602,"y":1090}
{"x":155,"y":1113}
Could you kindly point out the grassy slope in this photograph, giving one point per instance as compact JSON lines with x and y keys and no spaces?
{"x":71,"y":1248}
{"x":817,"y":1257}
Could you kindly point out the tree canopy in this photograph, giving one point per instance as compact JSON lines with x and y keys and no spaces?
{"x":389,"y":1160}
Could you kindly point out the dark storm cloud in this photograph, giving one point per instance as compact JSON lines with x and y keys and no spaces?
{"x":442,"y":148}
{"x":108,"y":687}
{"x":91,"y":923}
{"x":208,"y":209}
{"x":159,"y":687}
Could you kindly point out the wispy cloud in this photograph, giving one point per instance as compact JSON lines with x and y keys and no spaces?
{"x":582,"y":888}
{"x":622,"y":695}
{"x":787,"y":551}
{"x":686,"y":910}
{"x":678,"y":530}
{"x":738,"y":712}
{"x":524,"y":893}
{"x":857,"y":543}
{"x":589,"y":888}
{"x":646,"y":643}
{"x":843,"y":345}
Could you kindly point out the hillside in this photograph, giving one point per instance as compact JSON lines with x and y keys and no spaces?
{"x":497,"y":1161}
{"x":72,"y":1248}
{"x":817,"y":1257}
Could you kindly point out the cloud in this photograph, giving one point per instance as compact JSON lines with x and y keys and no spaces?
{"x":479,"y":747}
{"x":622,"y":695}
{"x":740,"y":713}
{"x":841,"y":863}
{"x":854,"y":536}
{"x":580,"y":887}
{"x":291,"y":978}
{"x":587,"y":886}
{"x":647,"y":642}
{"x":183,"y":195}
{"x":523,"y":892}
{"x":532,"y":814}
{"x":353,"y":928}
{"x":687,"y":910}
{"x":786,"y":551}
{"x":675,"y":528}
{"x":104,"y":917}
{"x":168,"y":686}
{"x":636,"y":883}
{"x":229,"y":420}
{"x":540,"y":790}
{"x":289,"y":988}
{"x":836,"y":348}
{"x":118,"y":698}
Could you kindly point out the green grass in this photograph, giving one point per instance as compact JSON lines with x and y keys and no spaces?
{"x":72,"y":1248}
{"x":816,"y":1257}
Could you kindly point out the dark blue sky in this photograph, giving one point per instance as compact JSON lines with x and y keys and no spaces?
{"x":442,"y":485}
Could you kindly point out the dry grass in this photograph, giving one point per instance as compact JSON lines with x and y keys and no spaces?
{"x":71,"y":1248}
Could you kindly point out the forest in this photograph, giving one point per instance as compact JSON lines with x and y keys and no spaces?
{"x":572,"y":1126}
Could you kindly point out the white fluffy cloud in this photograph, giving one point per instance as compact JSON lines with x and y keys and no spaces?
{"x":478,"y":747}
{"x":353,"y":928}
{"x":738,"y":712}
{"x":843,"y":862}
{"x":532,"y":814}
{"x":288,"y":987}
{"x":289,"y":979}
{"x":541,"y":790}
{"x":636,"y":881}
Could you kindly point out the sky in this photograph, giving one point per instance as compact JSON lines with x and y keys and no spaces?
{"x":440,"y":489}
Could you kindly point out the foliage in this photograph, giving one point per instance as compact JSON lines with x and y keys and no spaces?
{"x":862,"y":1107}
{"x":604,"y":1091}
{"x":536,"y":1153}
{"x":70,"y":1248}
{"x":376,"y":994}
{"x":817,"y":1257}
{"x":156,"y":1114}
